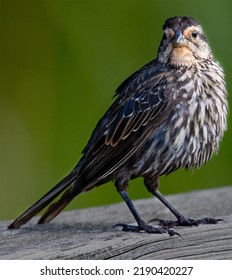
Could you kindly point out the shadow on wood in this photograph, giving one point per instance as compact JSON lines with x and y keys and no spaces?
{"x":88,"y":233}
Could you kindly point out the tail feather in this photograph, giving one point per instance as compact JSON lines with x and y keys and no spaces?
{"x":56,"y":207}
{"x":44,"y":201}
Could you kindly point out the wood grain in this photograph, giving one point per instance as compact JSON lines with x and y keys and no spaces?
{"x":88,"y":233}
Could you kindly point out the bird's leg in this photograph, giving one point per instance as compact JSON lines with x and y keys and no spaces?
{"x":152,"y":186}
{"x":182,"y":220}
{"x":142,"y":226}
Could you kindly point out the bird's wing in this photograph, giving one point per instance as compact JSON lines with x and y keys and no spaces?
{"x":142,"y":104}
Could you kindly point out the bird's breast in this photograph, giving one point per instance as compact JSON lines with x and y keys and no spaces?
{"x":194,"y":128}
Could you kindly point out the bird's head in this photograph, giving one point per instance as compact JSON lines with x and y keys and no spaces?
{"x":183,"y":42}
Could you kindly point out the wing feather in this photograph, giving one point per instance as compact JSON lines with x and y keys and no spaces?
{"x":142,"y":104}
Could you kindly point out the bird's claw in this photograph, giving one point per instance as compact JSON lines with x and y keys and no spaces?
{"x":187,"y":222}
{"x":148,"y":229}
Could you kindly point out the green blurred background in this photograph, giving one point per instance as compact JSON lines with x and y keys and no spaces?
{"x":60,"y":62}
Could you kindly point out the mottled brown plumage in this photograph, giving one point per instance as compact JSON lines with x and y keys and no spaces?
{"x":170,"y":114}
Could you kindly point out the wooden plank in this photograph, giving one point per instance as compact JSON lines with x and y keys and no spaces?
{"x":88,"y":233}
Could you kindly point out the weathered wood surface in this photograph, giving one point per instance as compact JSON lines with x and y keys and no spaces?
{"x":88,"y":233}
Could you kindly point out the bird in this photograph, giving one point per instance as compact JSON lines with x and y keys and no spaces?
{"x":170,"y":114}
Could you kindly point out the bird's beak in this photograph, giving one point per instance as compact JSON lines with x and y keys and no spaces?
{"x":180,"y":40}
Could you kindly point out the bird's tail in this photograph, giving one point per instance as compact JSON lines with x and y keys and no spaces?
{"x":55,"y":208}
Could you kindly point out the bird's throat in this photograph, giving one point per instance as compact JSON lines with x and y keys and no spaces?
{"x":182,"y":56}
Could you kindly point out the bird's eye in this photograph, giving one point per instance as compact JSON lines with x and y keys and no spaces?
{"x":194,"y":34}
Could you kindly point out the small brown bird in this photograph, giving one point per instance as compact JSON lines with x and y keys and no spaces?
{"x":170,"y":114}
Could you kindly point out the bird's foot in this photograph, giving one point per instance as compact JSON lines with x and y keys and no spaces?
{"x":182,"y":221}
{"x":148,"y":229}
